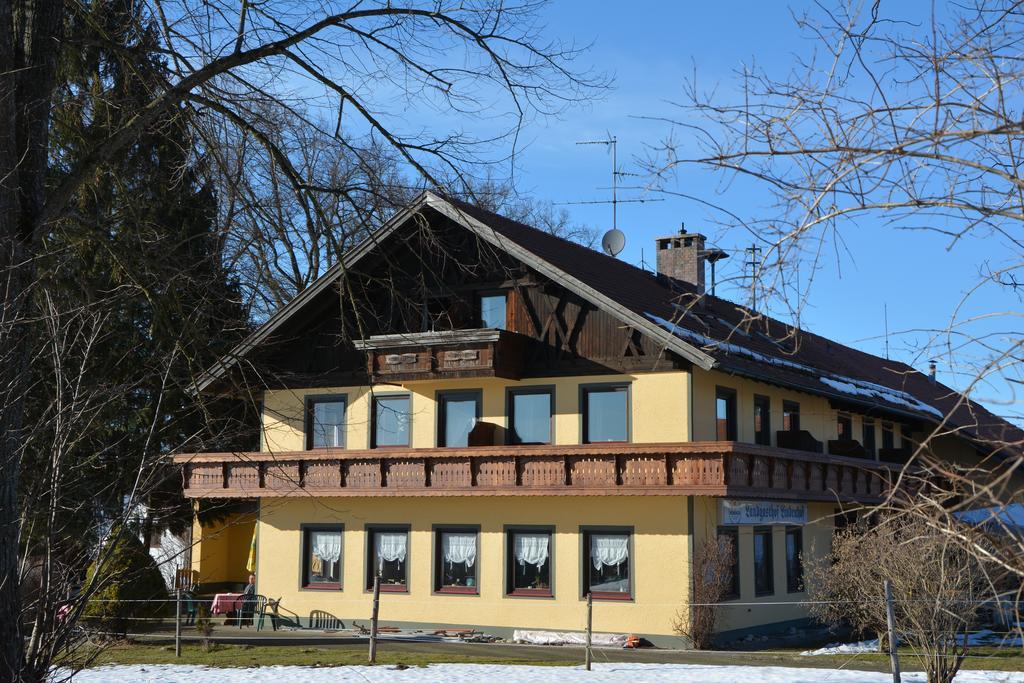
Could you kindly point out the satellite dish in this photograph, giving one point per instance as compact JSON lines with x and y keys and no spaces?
{"x":613,"y":242}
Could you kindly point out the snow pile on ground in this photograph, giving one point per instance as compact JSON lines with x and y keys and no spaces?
{"x":569,"y":638}
{"x":844,"y":648}
{"x":987,"y":637}
{"x":983,"y":637}
{"x":476,"y":673}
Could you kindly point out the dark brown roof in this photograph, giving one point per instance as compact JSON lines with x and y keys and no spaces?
{"x":754,"y":345}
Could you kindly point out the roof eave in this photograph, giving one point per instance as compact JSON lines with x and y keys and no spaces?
{"x":489,"y":234}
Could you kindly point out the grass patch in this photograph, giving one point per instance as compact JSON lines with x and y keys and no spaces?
{"x":222,"y":655}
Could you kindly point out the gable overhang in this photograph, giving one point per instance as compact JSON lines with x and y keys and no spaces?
{"x":282,"y":315}
{"x":557,"y":275}
{"x":237,"y":356}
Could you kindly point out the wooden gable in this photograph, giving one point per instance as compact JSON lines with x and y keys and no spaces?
{"x":425,"y":277}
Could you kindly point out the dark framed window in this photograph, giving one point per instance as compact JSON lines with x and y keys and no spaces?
{"x":456,"y":550}
{"x":844,"y":427}
{"x":530,"y":414}
{"x":762,"y":420}
{"x":457,"y":414}
{"x":790,"y":416}
{"x":888,"y":437}
{"x":605,"y":413}
{"x":322,"y":556}
{"x":325,"y":421}
{"x":764,"y":580}
{"x":842,"y":520}
{"x":391,"y":421}
{"x":606,"y":563}
{"x":794,"y":559}
{"x":492,"y":310}
{"x":868,"y":440}
{"x":387,"y":554}
{"x":730,"y":535}
{"x":529,"y":559}
{"x":725,"y":414}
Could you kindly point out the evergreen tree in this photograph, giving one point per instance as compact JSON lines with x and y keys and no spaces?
{"x":133,"y":302}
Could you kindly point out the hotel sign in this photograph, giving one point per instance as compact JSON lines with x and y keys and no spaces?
{"x":762,"y":512}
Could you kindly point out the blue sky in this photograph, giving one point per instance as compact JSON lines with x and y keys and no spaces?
{"x":649,"y":48}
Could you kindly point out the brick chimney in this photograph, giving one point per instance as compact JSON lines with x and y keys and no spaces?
{"x":682,"y":257}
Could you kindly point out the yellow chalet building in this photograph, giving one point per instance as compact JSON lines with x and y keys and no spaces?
{"x":499,"y":422}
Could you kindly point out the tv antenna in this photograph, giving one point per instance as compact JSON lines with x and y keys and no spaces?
{"x":614,"y":240}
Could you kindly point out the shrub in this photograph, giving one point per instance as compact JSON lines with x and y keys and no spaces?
{"x":712,"y":580}
{"x":937,"y":588}
{"x":127,"y":588}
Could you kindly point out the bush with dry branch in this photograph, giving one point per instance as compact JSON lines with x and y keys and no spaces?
{"x":937,"y":588}
{"x":712,"y":582}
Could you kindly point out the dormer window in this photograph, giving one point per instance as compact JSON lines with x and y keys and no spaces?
{"x":492,"y":310}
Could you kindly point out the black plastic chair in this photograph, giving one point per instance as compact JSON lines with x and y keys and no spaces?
{"x":254,"y":608}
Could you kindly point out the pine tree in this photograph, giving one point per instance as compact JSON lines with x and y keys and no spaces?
{"x":133,"y":301}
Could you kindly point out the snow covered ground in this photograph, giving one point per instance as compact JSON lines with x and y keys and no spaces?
{"x":477,"y":673}
{"x":978,"y":638}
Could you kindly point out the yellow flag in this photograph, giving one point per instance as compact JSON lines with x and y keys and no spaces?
{"x":250,"y":564}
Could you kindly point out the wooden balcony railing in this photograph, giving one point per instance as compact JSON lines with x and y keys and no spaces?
{"x":444,"y":354}
{"x":848,"y":448}
{"x":711,"y":468}
{"x":800,"y":440}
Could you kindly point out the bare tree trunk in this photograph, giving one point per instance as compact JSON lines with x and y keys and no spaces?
{"x":31,"y":32}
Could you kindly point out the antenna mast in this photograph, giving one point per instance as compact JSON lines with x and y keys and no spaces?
{"x":753,"y":253}
{"x":885,"y":315}
{"x":613,"y":142}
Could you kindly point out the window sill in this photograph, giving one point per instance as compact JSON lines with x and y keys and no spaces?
{"x":766,"y":594}
{"x":322,"y":587}
{"x":598,"y":595}
{"x":389,"y":588}
{"x":531,"y":593}
{"x":457,"y":590}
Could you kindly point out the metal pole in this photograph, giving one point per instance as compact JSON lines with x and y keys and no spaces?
{"x":590,"y":626}
{"x":177,"y":622}
{"x":373,"y":619}
{"x":890,"y":617}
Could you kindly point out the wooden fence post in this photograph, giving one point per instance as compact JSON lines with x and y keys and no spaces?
{"x":373,"y":619}
{"x":890,"y":617}
{"x":177,"y":621}
{"x":590,"y":628}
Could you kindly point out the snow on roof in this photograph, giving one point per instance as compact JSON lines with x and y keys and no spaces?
{"x":714,"y":344}
{"x":857,"y":387}
{"x":1009,"y":516}
{"x":846,"y":385}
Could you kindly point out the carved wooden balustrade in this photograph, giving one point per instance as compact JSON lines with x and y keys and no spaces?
{"x":710,"y":468}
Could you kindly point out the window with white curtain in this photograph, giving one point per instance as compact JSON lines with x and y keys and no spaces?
{"x":321,"y":557}
{"x":388,"y":555}
{"x":606,"y":570}
{"x":529,"y":562}
{"x":455,"y":561}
